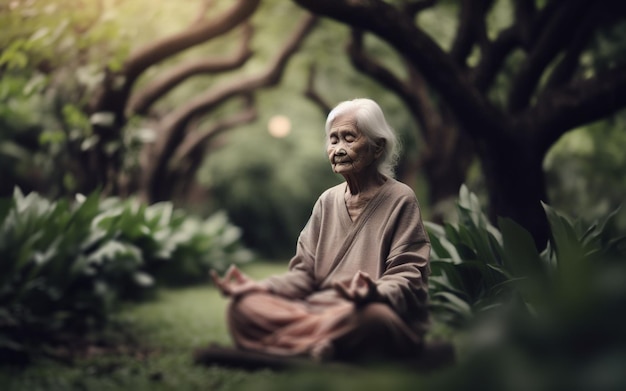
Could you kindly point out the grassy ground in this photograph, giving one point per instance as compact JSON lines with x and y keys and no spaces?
{"x":166,"y":331}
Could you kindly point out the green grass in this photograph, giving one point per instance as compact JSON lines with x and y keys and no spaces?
{"x":166,"y":331}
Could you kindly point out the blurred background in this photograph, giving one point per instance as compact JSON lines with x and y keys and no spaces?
{"x":144,"y":142}
{"x":158,"y":100}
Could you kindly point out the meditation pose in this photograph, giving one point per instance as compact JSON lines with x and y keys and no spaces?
{"x":357,"y":284}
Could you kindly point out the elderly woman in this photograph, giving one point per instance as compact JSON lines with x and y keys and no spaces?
{"x":357,"y":285}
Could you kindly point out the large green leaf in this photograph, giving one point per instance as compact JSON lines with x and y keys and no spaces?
{"x":573,"y":270}
{"x":454,"y":303}
{"x":521,"y":257}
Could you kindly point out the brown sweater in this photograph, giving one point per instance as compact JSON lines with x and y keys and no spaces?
{"x":388,"y":241}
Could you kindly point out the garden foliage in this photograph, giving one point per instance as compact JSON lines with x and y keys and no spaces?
{"x":477,"y":266}
{"x":65,"y":265}
{"x":559,"y":309}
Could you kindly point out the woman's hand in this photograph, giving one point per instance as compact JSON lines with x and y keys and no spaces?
{"x":361,"y":290}
{"x":235,"y":283}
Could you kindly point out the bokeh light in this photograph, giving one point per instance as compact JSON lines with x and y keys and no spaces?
{"x":279,"y":126}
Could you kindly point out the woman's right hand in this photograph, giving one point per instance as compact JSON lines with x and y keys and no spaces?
{"x":235,"y":283}
{"x":361,"y":289}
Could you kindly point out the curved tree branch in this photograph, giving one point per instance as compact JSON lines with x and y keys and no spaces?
{"x":567,"y":66}
{"x":524,"y":12}
{"x":368,"y":65}
{"x":493,"y":58}
{"x":115,"y":89}
{"x":195,"y":143}
{"x":557,"y":35}
{"x":413,"y":93}
{"x":446,"y":153}
{"x":143,"y":99}
{"x":412,"y":8}
{"x":471,"y":29}
{"x":580,"y":102}
{"x":198,"y":32}
{"x":606,"y":14}
{"x":311,"y":93}
{"x":191,"y":154}
{"x":392,"y":25}
{"x":173,"y":126}
{"x":176,"y":120}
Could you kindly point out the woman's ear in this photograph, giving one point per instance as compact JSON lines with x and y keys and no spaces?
{"x":379,"y":148}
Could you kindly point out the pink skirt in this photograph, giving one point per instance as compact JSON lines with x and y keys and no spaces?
{"x":322,"y":326}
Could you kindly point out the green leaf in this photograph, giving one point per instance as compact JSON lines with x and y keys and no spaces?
{"x":112,"y":250}
{"x":573,"y":267}
{"x":521,"y":257}
{"x":456,"y":303}
{"x":143,"y":279}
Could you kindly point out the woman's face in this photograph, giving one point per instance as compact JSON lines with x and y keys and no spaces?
{"x":349,"y":151}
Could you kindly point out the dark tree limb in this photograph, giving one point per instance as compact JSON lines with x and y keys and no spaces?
{"x":565,"y":69}
{"x":368,"y":65}
{"x":471,"y":29}
{"x":413,"y":93}
{"x":412,"y":8}
{"x":142,"y":100}
{"x":524,"y":12}
{"x":604,"y":15}
{"x":173,"y":127}
{"x":446,"y":154}
{"x":115,"y":90}
{"x":195,"y":143}
{"x":311,"y":93}
{"x":393,"y":26}
{"x":493,"y":58}
{"x":547,"y":92}
{"x":556,"y":35}
{"x":409,"y":92}
{"x":189,"y":156}
{"x":115,"y":94}
{"x":580,"y":102}
{"x":200,"y":31}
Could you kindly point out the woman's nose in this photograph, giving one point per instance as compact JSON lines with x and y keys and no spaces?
{"x":340,"y":152}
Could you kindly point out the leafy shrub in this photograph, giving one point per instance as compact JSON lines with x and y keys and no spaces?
{"x":64,"y":265}
{"x":552,"y":317}
{"x":477,"y":266}
{"x":467,"y":263}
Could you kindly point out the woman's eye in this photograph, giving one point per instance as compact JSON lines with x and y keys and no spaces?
{"x":333,"y":140}
{"x":350,"y":138}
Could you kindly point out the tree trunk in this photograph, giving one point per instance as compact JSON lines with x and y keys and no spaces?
{"x":445,"y":175}
{"x":515,"y":184}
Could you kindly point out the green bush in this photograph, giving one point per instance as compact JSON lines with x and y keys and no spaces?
{"x":64,"y":265}
{"x":552,"y":317}
{"x":467,"y":262}
{"x":477,"y":266}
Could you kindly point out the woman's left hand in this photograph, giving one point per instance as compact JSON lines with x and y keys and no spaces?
{"x":235,"y":283}
{"x":361,"y":290}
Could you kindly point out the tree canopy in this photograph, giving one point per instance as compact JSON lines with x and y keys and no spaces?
{"x":514,"y":89}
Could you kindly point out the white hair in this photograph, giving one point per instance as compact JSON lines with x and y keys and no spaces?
{"x":370,"y":120}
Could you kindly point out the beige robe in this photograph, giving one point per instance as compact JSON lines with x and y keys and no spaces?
{"x":303,"y":312}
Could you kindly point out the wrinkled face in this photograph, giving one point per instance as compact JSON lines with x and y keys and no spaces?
{"x":349,"y":151}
